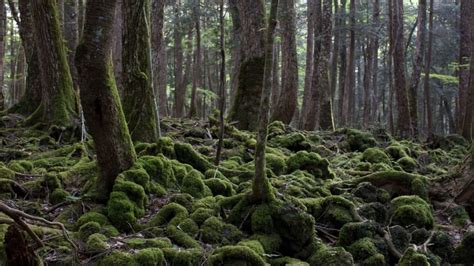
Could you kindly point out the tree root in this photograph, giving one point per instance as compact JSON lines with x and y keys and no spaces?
{"x":391,"y":247}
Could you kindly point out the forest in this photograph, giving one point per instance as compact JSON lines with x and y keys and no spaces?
{"x":236,"y":132}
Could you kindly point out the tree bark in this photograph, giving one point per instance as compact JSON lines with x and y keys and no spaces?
{"x":99,"y":96}
{"x":403,"y":110}
{"x":261,"y":187}
{"x":235,"y":49}
{"x":159,"y":54}
{"x":71,"y":35}
{"x":347,"y":114}
{"x":426,"y":81}
{"x":464,"y":54}
{"x":3,"y":29}
{"x":311,"y":13}
{"x":468,"y":122}
{"x":197,"y":59}
{"x":180,"y":88}
{"x":138,"y":104}
{"x":275,"y":77}
{"x":221,"y":83}
{"x":117,"y":47}
{"x":375,"y":63}
{"x":343,"y":64}
{"x":245,"y":107}
{"x":287,"y":100}
{"x":58,"y":100}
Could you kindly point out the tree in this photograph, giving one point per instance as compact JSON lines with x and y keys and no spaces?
{"x":464,"y":59}
{"x":343,"y":56}
{"x":71,"y":34}
{"x":57,"y":97}
{"x":417,"y":66}
{"x":138,"y":103}
{"x":403,"y":111}
{"x":375,"y":64}
{"x":261,"y":187}
{"x":287,"y":99}
{"x":197,"y":58}
{"x":244,"y":109}
{"x":221,"y":84}
{"x":349,"y":83}
{"x":3,"y":29}
{"x":99,"y":96}
{"x":426,"y":81}
{"x":326,"y":119}
{"x":179,"y":83}
{"x":311,"y":13}
{"x":159,"y":54}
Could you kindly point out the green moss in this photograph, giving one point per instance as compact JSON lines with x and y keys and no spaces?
{"x":276,"y":128}
{"x":149,"y":256}
{"x":160,"y":169}
{"x":58,"y":195}
{"x":202,"y":214}
{"x":463,"y":253}
{"x":311,"y":162}
{"x":171,"y":213}
{"x":88,"y":229}
{"x":357,"y":140}
{"x":236,"y":255}
{"x":21,"y":166}
{"x":178,"y":236}
{"x":375,"y":260}
{"x":375,"y":155}
{"x":51,"y":182}
{"x":183,"y":199}
{"x":294,"y":141}
{"x":220,"y":187}
{"x":412,"y":210}
{"x":96,"y":243}
{"x":193,"y":184}
{"x":413,"y":258}
{"x":92,"y":217}
{"x":254,"y":245}
{"x":336,"y":211}
{"x":121,"y":211}
{"x":374,"y":211}
{"x":276,"y":163}
{"x":261,"y":219}
{"x":186,"y":154}
{"x":140,"y":243}
{"x":138,"y":176}
{"x":362,"y":249}
{"x":118,"y":258}
{"x":283,"y":261}
{"x":331,"y":257}
{"x":189,"y":226}
{"x":441,"y":245}
{"x":182,"y":257}
{"x":6,"y":173}
{"x":459,"y":216}
{"x":3,"y":231}
{"x":135,"y":193}
{"x":397,"y":151}
{"x":369,"y":193}
{"x":408,"y":164}
{"x":270,"y":243}
{"x":352,"y":232}
{"x":215,"y":231}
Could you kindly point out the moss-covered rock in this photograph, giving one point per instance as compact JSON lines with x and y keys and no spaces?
{"x":118,"y":258}
{"x":140,"y":243}
{"x":276,"y":163}
{"x":311,"y":162}
{"x":357,"y":140}
{"x":441,"y":245}
{"x":412,"y":210}
{"x":413,"y":258}
{"x":397,"y":151}
{"x":149,"y":256}
{"x":160,"y":169}
{"x":236,"y":255}
{"x":370,"y":193}
{"x":88,"y":229}
{"x":336,"y":211}
{"x":215,"y":231}
{"x":374,"y":211}
{"x":294,"y":142}
{"x":193,"y":184}
{"x":92,"y":216}
{"x":352,"y":232}
{"x":184,"y":257}
{"x":463,"y":253}
{"x":58,"y":195}
{"x":363,"y":249}
{"x":171,"y":213}
{"x":186,"y":154}
{"x":375,"y":260}
{"x":6,"y":173}
{"x":375,"y":155}
{"x":202,"y":214}
{"x":408,"y":164}
{"x":121,"y":211}
{"x":96,"y":243}
{"x":331,"y":256}
{"x":220,"y":186}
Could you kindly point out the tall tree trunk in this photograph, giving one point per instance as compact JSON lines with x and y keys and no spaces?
{"x":3,"y":30}
{"x":426,"y":81}
{"x":71,"y":35}
{"x":197,"y":59}
{"x":347,"y":114}
{"x":179,"y":86}
{"x":275,"y":77}
{"x":80,"y":17}
{"x":19,"y":75}
{"x":368,"y":60}
{"x":221,"y":83}
{"x":58,"y":100}
{"x":244,"y":109}
{"x":403,"y":110}
{"x":464,"y":59}
{"x":343,"y":64}
{"x":417,"y":66}
{"x":138,"y":104}
{"x":375,"y":62}
{"x":235,"y":49}
{"x":117,"y":47}
{"x":287,"y":100}
{"x":13,"y":58}
{"x":311,"y":13}
{"x":326,"y":119}
{"x":159,"y":54}
{"x":261,"y":187}
{"x":468,"y":123}
{"x":335,"y":51}
{"x":99,"y":96}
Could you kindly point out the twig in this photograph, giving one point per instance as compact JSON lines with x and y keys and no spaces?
{"x":391,"y":247}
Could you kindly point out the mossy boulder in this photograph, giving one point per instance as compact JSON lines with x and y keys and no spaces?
{"x":96,"y":243}
{"x":88,"y":229}
{"x":310,"y":162}
{"x":276,"y":163}
{"x":193,"y":184}
{"x":118,"y":258}
{"x":294,"y":142}
{"x":186,"y":154}
{"x":370,"y":193}
{"x":220,"y":186}
{"x":463,"y":253}
{"x":184,"y":257}
{"x":149,"y":257}
{"x":413,"y":258}
{"x":335,"y":211}
{"x":408,"y":164}
{"x":397,"y":151}
{"x":6,"y":173}
{"x":202,"y":214}
{"x":160,"y":169}
{"x":374,"y":211}
{"x":412,"y":210}
{"x":352,"y":232}
{"x":236,"y":255}
{"x":375,"y":155}
{"x":58,"y":195}
{"x":441,"y":245}
{"x":334,"y":256}
{"x":92,"y":216}
{"x":215,"y":231}
{"x":357,"y":140}
{"x":121,"y":211}
{"x":172,"y":213}
{"x":363,"y":249}
{"x":140,"y":243}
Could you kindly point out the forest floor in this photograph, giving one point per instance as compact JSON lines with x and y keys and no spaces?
{"x":341,"y":198}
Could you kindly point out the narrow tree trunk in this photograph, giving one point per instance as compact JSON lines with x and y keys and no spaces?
{"x":261,"y":188}
{"x":375,"y":63}
{"x":117,"y":47}
{"x":244,"y":109}
{"x":221,"y":83}
{"x":343,"y":64}
{"x":180,"y":89}
{"x":347,"y":114}
{"x":3,"y":29}
{"x":13,"y":58}
{"x":99,"y":96}
{"x":464,"y":54}
{"x":71,"y":35}
{"x":311,"y":13}
{"x":19,"y":75}
{"x":368,"y":60}
{"x":58,"y":100}
{"x":138,"y":104}
{"x":335,"y":50}
{"x":275,"y":78}
{"x":159,"y":54}
{"x":403,"y":110}
{"x":468,"y":123}
{"x":287,"y":100}
{"x":426,"y":81}
{"x":80,"y":17}
{"x":197,"y":60}
{"x":235,"y":49}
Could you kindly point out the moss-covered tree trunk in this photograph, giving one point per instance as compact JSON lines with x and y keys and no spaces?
{"x":99,"y":96}
{"x":159,"y":55}
{"x":261,"y":188}
{"x":244,"y":109}
{"x":57,"y":96}
{"x":138,"y":102}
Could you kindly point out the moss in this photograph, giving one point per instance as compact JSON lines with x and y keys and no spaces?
{"x":375,"y":155}
{"x":362,"y":249}
{"x":135,"y":193}
{"x":413,"y":258}
{"x":182,"y":257}
{"x":193,"y":185}
{"x":6,"y":173}
{"x":183,"y":199}
{"x":441,"y":245}
{"x":408,"y":164}
{"x":178,"y":236}
{"x":118,"y":258}
{"x":294,"y":142}
{"x":276,"y":163}
{"x":149,"y":256}
{"x":397,"y":151}
{"x":88,"y":229}
{"x":51,"y":182}
{"x":171,"y":213}
{"x":92,"y":217}
{"x":140,"y":243}
{"x":21,"y":166}
{"x":160,"y":169}
{"x":186,"y":154}
{"x":166,"y":147}
{"x":254,"y":245}
{"x":189,"y":226}
{"x":463,"y":253}
{"x":96,"y":243}
{"x":138,"y":176}
{"x":202,"y":214}
{"x":352,"y":232}
{"x":400,"y":237}
{"x":358,"y":140}
{"x":110,"y":231}
{"x":236,"y":255}
{"x":3,"y":231}
{"x":331,"y":257}
{"x":311,"y":162}
{"x":283,"y":261}
{"x":121,"y":211}
{"x":374,"y":211}
{"x":58,"y":195}
{"x":412,"y":210}
{"x":369,"y":193}
{"x":375,"y":260}
{"x":336,"y":211}
{"x":215,"y":231}
{"x":261,"y":219}
{"x":276,"y":128}
{"x":220,"y":187}
{"x":270,"y":243}
{"x":459,"y":216}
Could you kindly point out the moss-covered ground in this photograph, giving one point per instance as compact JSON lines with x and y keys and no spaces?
{"x":341,"y":198}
